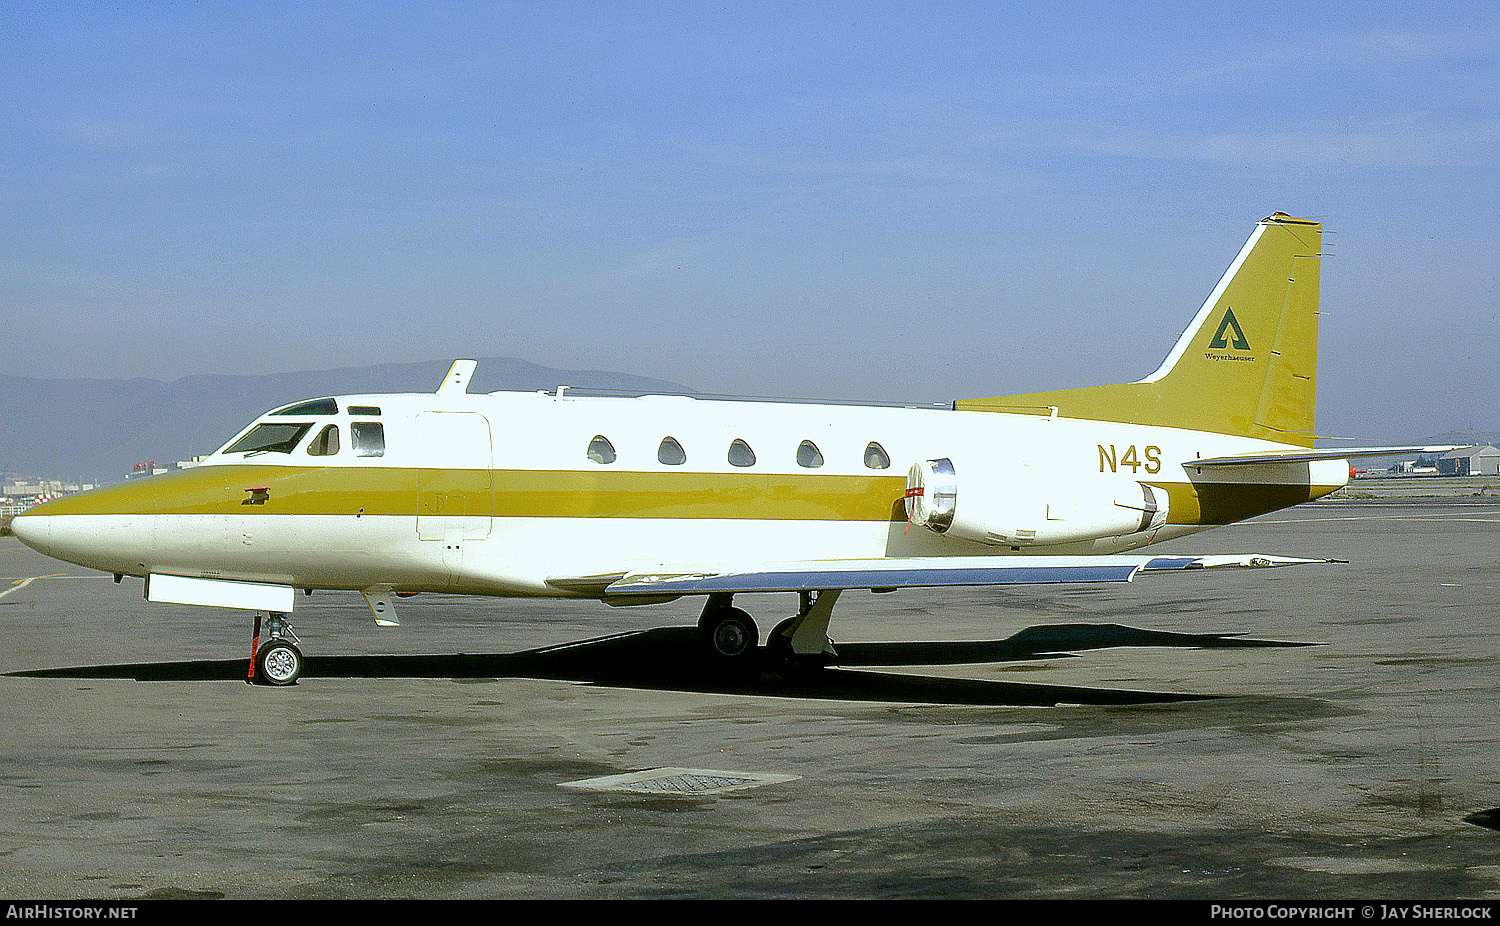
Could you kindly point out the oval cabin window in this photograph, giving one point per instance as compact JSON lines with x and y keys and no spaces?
{"x":740,"y":454}
{"x":876,"y":457}
{"x":809,"y":456}
{"x":601,"y":450}
{"x":670,"y":452}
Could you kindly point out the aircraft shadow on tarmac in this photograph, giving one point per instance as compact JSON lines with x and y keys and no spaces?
{"x":670,"y":659}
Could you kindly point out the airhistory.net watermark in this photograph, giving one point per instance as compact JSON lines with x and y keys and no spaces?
{"x":44,"y":911}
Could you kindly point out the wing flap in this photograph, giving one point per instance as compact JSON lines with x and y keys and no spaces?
{"x":917,"y":572}
{"x":1310,"y":456}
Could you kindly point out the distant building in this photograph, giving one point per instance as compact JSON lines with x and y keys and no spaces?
{"x":149,"y":468}
{"x":1417,"y":467}
{"x":1470,"y":461}
{"x":22,"y":488}
{"x":20,"y":494}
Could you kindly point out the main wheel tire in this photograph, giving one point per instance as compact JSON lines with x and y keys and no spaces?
{"x":279,"y":662}
{"x":730,"y":634}
{"x":782,"y":634}
{"x":782,"y":660}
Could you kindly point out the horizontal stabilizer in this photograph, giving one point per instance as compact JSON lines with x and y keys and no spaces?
{"x":1311,"y":456}
{"x":913,"y":572}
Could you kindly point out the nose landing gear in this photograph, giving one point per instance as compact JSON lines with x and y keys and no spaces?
{"x":277,"y":661}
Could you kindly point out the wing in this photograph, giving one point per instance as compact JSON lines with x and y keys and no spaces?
{"x":911,"y":572}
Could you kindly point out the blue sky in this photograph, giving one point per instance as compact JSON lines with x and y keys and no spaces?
{"x":901,"y":202}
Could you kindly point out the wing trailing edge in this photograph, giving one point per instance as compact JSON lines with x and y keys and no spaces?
{"x":1310,"y":456}
{"x":914,"y":572}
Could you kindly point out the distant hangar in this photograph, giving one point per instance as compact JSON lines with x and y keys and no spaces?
{"x":1470,"y":461}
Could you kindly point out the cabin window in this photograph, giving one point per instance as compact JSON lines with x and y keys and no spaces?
{"x":670,"y":452}
{"x":315,"y":407}
{"x":270,"y":438}
{"x":740,"y":454}
{"x":809,"y":456}
{"x":368,"y":438}
{"x":326,"y":444}
{"x":370,"y":410}
{"x":876,"y":457}
{"x":601,"y":450}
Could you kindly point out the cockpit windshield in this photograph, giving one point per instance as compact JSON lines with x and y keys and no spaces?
{"x":270,"y":438}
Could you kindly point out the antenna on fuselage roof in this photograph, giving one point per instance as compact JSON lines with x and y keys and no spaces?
{"x":457,"y":380}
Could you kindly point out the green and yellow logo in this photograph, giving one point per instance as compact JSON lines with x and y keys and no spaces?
{"x":1229,"y":328}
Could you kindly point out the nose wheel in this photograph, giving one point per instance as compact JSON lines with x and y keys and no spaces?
{"x":277,"y":661}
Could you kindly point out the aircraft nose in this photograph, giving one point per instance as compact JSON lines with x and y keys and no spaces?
{"x":87,"y":530}
{"x":34,"y":530}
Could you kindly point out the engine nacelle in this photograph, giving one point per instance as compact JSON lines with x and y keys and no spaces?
{"x":1026,"y":511}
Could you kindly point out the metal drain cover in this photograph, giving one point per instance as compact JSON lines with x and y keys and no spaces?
{"x":680,"y":781}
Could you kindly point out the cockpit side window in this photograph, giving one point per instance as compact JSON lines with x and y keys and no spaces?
{"x":368,"y":438}
{"x":315,"y":407}
{"x":326,"y":444}
{"x":270,"y":438}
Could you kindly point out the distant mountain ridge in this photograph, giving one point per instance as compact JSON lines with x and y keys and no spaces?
{"x":93,"y":430}
{"x":1466,"y":437}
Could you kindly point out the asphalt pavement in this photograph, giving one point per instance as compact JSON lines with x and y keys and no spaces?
{"x":1321,"y":731}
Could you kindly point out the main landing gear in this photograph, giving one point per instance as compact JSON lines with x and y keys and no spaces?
{"x":729,"y":634}
{"x":277,"y":661}
{"x":799,"y":646}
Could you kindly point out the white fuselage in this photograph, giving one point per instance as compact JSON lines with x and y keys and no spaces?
{"x":496,"y":494}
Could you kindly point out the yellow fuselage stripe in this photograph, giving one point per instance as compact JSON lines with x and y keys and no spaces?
{"x":350,"y":490}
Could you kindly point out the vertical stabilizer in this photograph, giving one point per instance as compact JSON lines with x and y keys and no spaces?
{"x":1246,"y":365}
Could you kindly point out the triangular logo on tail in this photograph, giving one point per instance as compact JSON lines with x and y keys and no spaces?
{"x":1228,"y":325}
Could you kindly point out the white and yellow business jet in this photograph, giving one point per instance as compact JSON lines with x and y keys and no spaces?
{"x":640,"y":500}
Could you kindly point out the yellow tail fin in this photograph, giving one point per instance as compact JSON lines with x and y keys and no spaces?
{"x":1247,"y":364}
